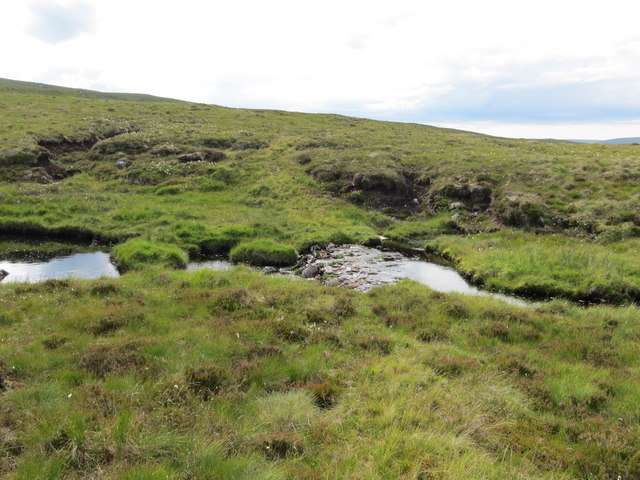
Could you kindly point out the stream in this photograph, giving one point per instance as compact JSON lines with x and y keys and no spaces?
{"x":351,"y":266}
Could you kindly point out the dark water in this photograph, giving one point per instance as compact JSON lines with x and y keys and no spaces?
{"x":80,"y":265}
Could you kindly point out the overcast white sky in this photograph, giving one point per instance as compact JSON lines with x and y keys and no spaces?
{"x":561,"y":68}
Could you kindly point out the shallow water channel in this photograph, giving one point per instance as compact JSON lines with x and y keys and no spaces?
{"x":350,"y":266}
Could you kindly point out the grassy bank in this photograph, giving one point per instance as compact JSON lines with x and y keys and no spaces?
{"x":546,"y":266}
{"x":238,"y":375}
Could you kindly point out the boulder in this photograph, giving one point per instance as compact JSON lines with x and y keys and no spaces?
{"x":311,"y":271}
{"x":333,"y":282}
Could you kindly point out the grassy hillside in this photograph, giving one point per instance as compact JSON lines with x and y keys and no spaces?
{"x":164,"y":373}
{"x":181,"y":173}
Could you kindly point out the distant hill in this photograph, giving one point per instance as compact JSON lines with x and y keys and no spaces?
{"x":613,"y":141}
{"x":7,"y":85}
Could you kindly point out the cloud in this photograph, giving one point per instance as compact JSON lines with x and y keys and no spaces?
{"x":580,"y":89}
{"x":357,"y":42}
{"x":55,"y":23}
{"x":416,"y":61}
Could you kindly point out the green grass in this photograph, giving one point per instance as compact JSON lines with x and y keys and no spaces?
{"x":285,"y":177}
{"x":136,"y":254}
{"x":227,"y":375}
{"x":212,"y":375}
{"x":546,"y":266}
{"x":264,"y":252}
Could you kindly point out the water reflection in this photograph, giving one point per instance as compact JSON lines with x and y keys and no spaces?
{"x":211,"y":265}
{"x":445,"y":279}
{"x":80,"y":265}
{"x":353,"y":266}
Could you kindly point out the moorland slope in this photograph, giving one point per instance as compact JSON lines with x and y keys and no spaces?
{"x":228,"y":375}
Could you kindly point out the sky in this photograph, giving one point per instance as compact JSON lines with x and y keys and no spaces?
{"x":530,"y":69}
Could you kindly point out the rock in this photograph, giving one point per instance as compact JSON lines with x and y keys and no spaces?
{"x":122,"y":163}
{"x":456,"y":206}
{"x":333,"y":282}
{"x":357,"y":180}
{"x":455,"y":216}
{"x":269,"y":270}
{"x":311,"y":271}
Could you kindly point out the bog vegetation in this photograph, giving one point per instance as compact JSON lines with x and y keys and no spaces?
{"x":215,"y":375}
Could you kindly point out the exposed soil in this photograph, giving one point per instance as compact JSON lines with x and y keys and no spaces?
{"x":60,"y":145}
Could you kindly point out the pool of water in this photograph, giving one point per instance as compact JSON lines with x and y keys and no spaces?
{"x":364,"y":268}
{"x":79,"y":265}
{"x":351,"y":266}
{"x":445,"y":279}
{"x":210,"y":264}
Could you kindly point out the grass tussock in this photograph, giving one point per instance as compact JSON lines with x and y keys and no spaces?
{"x":136,"y":254}
{"x":264,"y":253}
